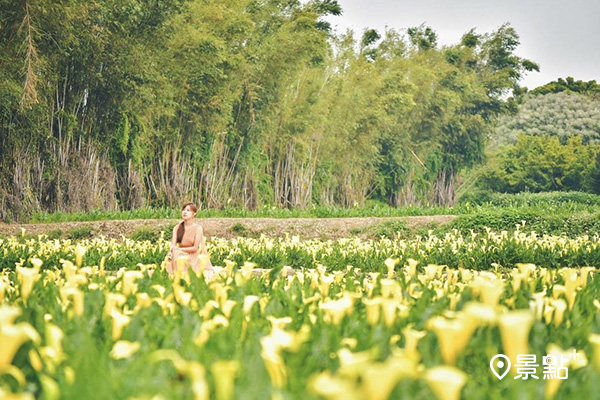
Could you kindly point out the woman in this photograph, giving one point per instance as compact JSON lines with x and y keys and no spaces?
{"x":187,"y":242}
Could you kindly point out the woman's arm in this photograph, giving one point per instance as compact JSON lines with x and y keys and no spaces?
{"x":173,"y":239}
{"x":202,"y":242}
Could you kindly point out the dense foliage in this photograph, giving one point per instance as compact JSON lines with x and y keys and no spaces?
{"x":570,"y":85}
{"x":563,"y":115}
{"x":472,"y":201}
{"x":71,"y":329}
{"x":542,"y":163}
{"x":119,"y":105}
{"x":474,"y":250}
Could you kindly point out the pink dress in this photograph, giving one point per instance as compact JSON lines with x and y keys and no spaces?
{"x":192,"y":259}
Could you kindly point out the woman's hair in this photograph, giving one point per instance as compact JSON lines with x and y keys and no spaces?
{"x":181,"y":229}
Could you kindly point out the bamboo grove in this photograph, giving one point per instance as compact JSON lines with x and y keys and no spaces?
{"x":123,"y":104}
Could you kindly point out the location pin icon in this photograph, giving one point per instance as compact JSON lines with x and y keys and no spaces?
{"x":496,"y":366}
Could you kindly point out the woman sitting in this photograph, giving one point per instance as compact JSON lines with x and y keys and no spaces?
{"x":188,"y":243}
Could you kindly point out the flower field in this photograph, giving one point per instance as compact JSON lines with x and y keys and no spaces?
{"x":349,"y":319}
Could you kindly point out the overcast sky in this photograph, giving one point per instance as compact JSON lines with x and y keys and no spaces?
{"x":563,"y":37}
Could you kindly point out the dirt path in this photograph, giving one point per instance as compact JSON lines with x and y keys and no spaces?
{"x":330,"y":228}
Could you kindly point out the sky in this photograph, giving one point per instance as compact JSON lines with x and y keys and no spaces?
{"x":563,"y":37}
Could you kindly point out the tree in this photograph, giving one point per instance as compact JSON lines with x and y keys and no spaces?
{"x":538,"y":164}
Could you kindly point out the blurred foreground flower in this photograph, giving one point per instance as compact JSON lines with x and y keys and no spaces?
{"x":224,"y":375}
{"x":446,"y":382}
{"x":514,"y":331}
{"x":124,"y":349}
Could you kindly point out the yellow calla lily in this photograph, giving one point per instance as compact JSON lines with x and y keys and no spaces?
{"x":27,"y":277}
{"x":224,"y":375}
{"x":333,"y":387}
{"x":79,"y":253}
{"x":514,"y":332}
{"x":411,"y":340}
{"x":453,"y":335}
{"x":120,"y":321}
{"x":373,"y":307}
{"x":446,"y":382}
{"x":390,"y":263}
{"x":129,"y":285}
{"x":124,"y":349}
{"x":595,"y":342}
{"x":76,"y":296}
{"x":12,"y":338}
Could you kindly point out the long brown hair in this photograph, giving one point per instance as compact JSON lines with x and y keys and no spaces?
{"x":181,"y":229}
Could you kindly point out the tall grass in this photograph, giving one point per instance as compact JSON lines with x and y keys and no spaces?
{"x":537,"y":204}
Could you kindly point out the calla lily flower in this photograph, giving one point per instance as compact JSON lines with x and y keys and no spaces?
{"x":54,"y":337}
{"x":482,"y":314}
{"x":584,"y":276}
{"x":12,"y":338}
{"x":379,"y":379}
{"x":79,"y":253}
{"x":28,"y":277}
{"x":120,"y":321}
{"x":350,"y":342}
{"x":193,"y":369}
{"x":337,"y":309}
{"x":559,"y":306}
{"x":446,"y":382}
{"x":68,"y":268}
{"x":351,"y":364}
{"x":181,"y":296}
{"x":390,"y":310}
{"x":390,"y":288}
{"x":373,"y":307}
{"x":37,"y":263}
{"x":432,"y":271}
{"x":453,"y":335}
{"x":411,"y":340}
{"x":112,"y":301}
{"x":124,"y":349}
{"x":3,"y":287}
{"x":514,"y":331}
{"x":390,"y":263}
{"x":129,"y":285}
{"x":552,"y":382}
{"x":548,"y":313}
{"x":143,"y":300}
{"x":224,"y":375}
{"x":595,"y":342}
{"x":333,"y":387}
{"x":249,"y":301}
{"x":8,"y":314}
{"x":411,"y":268}
{"x":228,"y":307}
{"x":491,"y":291}
{"x":273,"y":362}
{"x":571,"y":285}
{"x":76,"y":296}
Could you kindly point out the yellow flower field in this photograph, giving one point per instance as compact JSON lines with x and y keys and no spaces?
{"x":71,"y":328}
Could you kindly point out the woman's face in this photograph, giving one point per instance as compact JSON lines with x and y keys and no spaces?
{"x":187,"y":213}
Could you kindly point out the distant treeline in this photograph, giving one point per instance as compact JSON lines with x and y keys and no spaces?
{"x":124,"y":104}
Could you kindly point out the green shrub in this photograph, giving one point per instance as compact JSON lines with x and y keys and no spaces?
{"x":528,"y":219}
{"x":389,"y":229}
{"x":146,"y":233}
{"x":524,"y":199}
{"x":55,"y":234}
{"x":80,"y":233}
{"x":541,"y":164}
{"x":239,"y":229}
